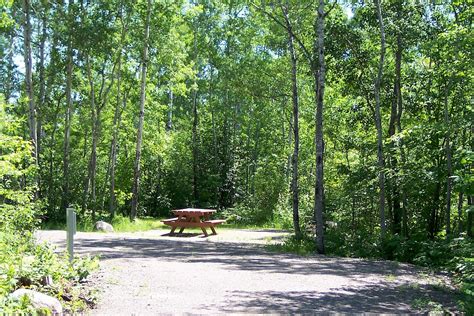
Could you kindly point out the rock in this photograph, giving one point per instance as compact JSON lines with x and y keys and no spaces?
{"x":39,"y":300}
{"x":103,"y":227}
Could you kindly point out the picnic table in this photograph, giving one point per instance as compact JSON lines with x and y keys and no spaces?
{"x":193,"y":217}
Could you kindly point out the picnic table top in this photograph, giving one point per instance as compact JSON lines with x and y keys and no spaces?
{"x":193,"y":211}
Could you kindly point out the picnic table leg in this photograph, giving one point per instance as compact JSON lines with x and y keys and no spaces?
{"x":204,"y":231}
{"x":172,"y":230}
{"x":213,"y":230}
{"x":181,"y":230}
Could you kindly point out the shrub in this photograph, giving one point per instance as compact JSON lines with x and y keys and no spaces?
{"x":23,"y":263}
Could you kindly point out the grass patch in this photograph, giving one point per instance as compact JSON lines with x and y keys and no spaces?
{"x":121,"y":225}
{"x":124,"y":225}
{"x":303,"y":246}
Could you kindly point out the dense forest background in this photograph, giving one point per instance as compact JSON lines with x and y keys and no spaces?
{"x":135,"y":108}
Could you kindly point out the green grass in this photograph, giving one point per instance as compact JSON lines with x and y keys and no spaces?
{"x":123,"y":224}
{"x":303,"y":246}
{"x":120,"y":224}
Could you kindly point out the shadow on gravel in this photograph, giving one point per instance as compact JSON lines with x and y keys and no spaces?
{"x":380,"y":298}
{"x":184,"y":235}
{"x":235,"y":256}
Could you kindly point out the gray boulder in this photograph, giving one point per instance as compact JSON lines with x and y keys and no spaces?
{"x":39,"y":300}
{"x":103,"y":227}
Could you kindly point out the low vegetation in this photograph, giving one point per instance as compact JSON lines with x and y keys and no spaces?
{"x":23,"y":262}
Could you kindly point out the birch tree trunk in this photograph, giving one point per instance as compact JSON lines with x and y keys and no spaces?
{"x":460,"y":205}
{"x":138,"y":151}
{"x":119,"y":107}
{"x":42,"y":79}
{"x":195,"y":131}
{"x":169,"y":122}
{"x":296,"y":143}
{"x":449,"y":165}
{"x":470,"y":215}
{"x":320,"y":76}
{"x":29,"y":78}
{"x":378,"y":121}
{"x":67,"y":119}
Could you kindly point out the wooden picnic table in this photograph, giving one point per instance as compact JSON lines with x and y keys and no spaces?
{"x":193,"y":217}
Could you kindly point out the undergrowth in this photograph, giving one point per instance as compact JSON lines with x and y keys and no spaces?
{"x":25,"y":264}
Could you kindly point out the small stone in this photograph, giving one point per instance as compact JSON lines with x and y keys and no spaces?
{"x":103,"y":227}
{"x":39,"y":300}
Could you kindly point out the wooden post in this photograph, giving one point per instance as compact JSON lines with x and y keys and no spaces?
{"x":71,"y":231}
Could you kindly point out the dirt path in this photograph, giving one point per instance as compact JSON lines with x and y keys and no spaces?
{"x":147,"y":273}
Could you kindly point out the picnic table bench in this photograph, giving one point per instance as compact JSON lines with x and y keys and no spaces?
{"x":192,"y":217}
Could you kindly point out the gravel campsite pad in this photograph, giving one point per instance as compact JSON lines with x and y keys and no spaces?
{"x":149,"y":273}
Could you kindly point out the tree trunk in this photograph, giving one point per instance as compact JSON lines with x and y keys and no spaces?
{"x":7,"y":84}
{"x":296,"y":144}
{"x":52,"y":195}
{"x":378,"y":121}
{"x":29,"y":79}
{"x":460,"y":205}
{"x":119,"y":107}
{"x":90,"y":180}
{"x":470,"y":215}
{"x":195,"y":150}
{"x":169,"y":122}
{"x":113,"y":146}
{"x":138,"y":152}
{"x":67,"y":121}
{"x":397,"y":211}
{"x":42,"y":81}
{"x":320,"y":76}
{"x":449,"y":166}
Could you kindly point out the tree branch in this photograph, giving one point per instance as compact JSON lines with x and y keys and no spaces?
{"x":288,"y":29}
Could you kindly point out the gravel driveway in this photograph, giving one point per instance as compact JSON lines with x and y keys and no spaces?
{"x":150,"y":273}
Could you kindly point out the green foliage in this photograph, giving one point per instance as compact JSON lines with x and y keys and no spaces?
{"x":17,"y":172}
{"x":303,"y":246}
{"x":218,"y":125}
{"x":23,"y":262}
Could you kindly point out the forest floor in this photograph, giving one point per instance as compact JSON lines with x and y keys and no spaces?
{"x":149,"y":273}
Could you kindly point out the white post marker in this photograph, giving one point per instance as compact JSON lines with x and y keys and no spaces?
{"x":71,"y":231}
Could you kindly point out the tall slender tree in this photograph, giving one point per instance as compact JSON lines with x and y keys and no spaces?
{"x":296,"y":135}
{"x":378,"y":120}
{"x":29,"y":78}
{"x":138,"y":151}
{"x":319,"y":76}
{"x":65,"y":200}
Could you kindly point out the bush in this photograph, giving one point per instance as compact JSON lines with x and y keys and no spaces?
{"x":23,"y":263}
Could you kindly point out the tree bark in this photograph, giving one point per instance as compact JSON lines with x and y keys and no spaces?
{"x":378,"y":121}
{"x":460,"y":205}
{"x":138,"y":151}
{"x":449,"y":165}
{"x":398,"y":214}
{"x":29,"y":79}
{"x":320,"y":76}
{"x":296,"y":143}
{"x":169,"y":122}
{"x":42,"y":80}
{"x":119,"y":107}
{"x":470,"y":215}
{"x":95,"y":121}
{"x":68,"y":116}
